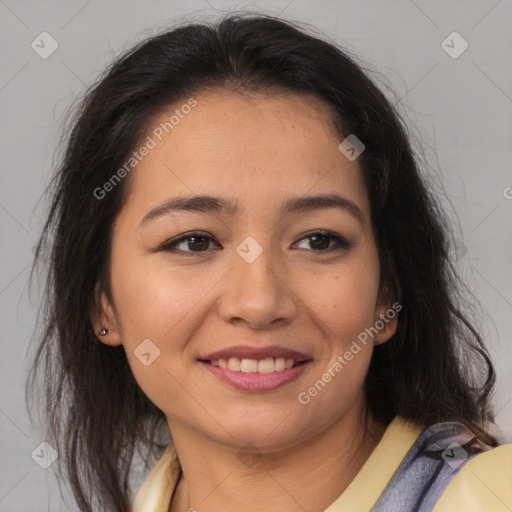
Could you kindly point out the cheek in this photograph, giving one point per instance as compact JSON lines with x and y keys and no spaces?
{"x":345,"y":307}
{"x":343,"y":300}
{"x":153,"y":311}
{"x":150,"y":299}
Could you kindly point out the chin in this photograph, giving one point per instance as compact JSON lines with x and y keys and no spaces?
{"x":267,"y":434}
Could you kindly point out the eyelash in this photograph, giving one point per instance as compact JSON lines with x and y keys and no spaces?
{"x":170,"y":245}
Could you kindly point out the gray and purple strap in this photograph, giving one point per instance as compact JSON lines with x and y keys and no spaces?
{"x":429,"y":466}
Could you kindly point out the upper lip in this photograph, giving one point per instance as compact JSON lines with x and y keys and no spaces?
{"x":248,"y":352}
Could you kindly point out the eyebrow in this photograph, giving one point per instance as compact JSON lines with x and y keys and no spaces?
{"x":210,"y":204}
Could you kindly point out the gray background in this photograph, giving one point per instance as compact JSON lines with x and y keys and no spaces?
{"x":458,"y":108}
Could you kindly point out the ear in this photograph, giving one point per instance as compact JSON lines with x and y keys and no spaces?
{"x":102,"y":316}
{"x":386,"y":317}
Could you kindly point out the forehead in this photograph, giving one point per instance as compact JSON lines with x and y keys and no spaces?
{"x":258,"y":147}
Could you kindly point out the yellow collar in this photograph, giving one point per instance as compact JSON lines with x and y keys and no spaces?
{"x":157,"y":489}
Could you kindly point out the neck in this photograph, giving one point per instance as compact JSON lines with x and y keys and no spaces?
{"x":306,"y":476}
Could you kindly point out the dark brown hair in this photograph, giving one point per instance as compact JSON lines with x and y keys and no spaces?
{"x":435,"y":368}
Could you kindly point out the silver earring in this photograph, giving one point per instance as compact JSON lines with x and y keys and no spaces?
{"x":103,"y":331}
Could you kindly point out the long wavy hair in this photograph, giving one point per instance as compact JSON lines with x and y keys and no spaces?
{"x":435,"y":368}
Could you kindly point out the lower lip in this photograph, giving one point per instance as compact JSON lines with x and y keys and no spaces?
{"x":254,"y":381}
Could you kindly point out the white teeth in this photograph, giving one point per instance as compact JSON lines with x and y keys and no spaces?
{"x":280,"y":364}
{"x":248,"y":365}
{"x":267,"y":365}
{"x":234,"y":364}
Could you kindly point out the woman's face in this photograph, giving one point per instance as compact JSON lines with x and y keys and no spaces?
{"x":250,"y":280}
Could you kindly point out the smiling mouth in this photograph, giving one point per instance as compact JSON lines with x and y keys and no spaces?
{"x":267,"y":365}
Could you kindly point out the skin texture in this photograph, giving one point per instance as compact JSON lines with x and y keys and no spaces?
{"x":259,"y":150}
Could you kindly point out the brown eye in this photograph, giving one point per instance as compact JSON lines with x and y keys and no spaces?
{"x":191,"y":242}
{"x":321,"y":240}
{"x":200,"y":242}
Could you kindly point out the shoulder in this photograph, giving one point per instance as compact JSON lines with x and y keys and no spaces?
{"x":483,"y":483}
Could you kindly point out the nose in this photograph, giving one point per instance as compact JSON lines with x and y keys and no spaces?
{"x":258,"y":293}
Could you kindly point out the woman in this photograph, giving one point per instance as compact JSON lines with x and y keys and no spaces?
{"x":245,"y":260}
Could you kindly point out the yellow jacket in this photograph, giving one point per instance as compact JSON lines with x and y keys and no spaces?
{"x":483,"y":484}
